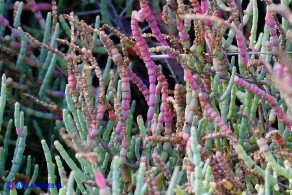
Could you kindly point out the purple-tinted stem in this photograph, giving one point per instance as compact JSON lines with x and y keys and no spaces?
{"x":3,"y":21}
{"x":100,"y":112}
{"x":282,"y":72}
{"x":271,"y":101}
{"x":119,"y":134}
{"x":100,"y":180}
{"x":153,"y":25}
{"x":57,"y":73}
{"x":19,"y":132}
{"x":31,"y":62}
{"x":242,"y":49}
{"x":15,"y":33}
{"x":204,"y":6}
{"x":55,"y":93}
{"x":198,"y":80}
{"x":270,"y":22}
{"x":212,"y":115}
{"x":191,"y":80}
{"x":38,"y":15}
{"x":196,"y":7}
{"x":92,"y":129}
{"x":17,"y":45}
{"x":151,"y":67}
{"x":58,"y":117}
{"x":167,"y":119}
{"x":182,"y":35}
{"x":279,"y":70}
{"x":126,"y":96}
{"x":167,"y":114}
{"x":139,"y":83}
{"x":183,"y":28}
{"x":71,"y":83}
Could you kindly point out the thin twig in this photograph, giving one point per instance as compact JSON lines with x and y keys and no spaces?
{"x":163,"y":56}
{"x":87,"y":12}
{"x":171,"y":70}
{"x":126,"y":8}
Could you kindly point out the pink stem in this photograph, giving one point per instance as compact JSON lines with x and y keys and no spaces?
{"x":153,"y":25}
{"x":126,"y":96}
{"x":151,"y":67}
{"x":19,"y":132}
{"x":71,"y":83}
{"x":270,"y":22}
{"x":212,"y":115}
{"x":101,"y":184}
{"x":31,"y":62}
{"x":38,"y":15}
{"x":196,"y":6}
{"x":242,"y":49}
{"x":204,"y":6}
{"x":267,"y":97}
{"x":17,"y":45}
{"x":3,"y":21}
{"x":126,"y":93}
{"x":100,"y":112}
{"x":184,"y":36}
{"x":111,"y":115}
{"x":191,"y":80}
{"x":139,"y":83}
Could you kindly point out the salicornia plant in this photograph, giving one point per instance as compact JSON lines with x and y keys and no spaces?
{"x":220,"y":123}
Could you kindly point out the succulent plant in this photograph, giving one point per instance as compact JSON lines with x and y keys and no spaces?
{"x":216,"y":93}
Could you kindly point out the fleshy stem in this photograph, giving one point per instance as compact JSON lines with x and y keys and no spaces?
{"x":212,"y":115}
{"x":151,"y":67}
{"x":145,"y":9}
{"x":271,"y":101}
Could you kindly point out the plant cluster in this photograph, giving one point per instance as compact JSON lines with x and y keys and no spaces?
{"x":224,"y":128}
